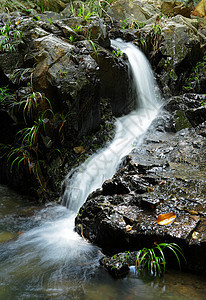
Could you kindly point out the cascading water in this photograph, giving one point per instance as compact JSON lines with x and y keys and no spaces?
{"x":45,"y":258}
{"x":103,"y":165}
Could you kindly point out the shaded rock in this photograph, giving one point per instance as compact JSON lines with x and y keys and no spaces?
{"x":115,"y":82}
{"x":173,"y":8}
{"x":181,"y":121}
{"x":187,"y":110}
{"x":173,"y":45}
{"x":196,"y":116}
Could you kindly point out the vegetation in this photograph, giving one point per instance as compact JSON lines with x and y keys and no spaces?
{"x":117,"y":53}
{"x":10,"y":37}
{"x":148,"y":261}
{"x":26,"y":148}
{"x":153,"y":260}
{"x":193,"y":79}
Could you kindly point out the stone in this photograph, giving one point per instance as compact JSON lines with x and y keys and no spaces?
{"x":121,"y":222}
{"x":132,"y":11}
{"x":200,"y":9}
{"x":173,"y":8}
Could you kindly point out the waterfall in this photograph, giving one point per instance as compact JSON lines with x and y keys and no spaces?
{"x":102,"y":165}
{"x":50,"y":258}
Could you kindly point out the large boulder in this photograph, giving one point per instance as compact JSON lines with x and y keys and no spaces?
{"x":159,"y":177}
{"x":173,"y":45}
{"x":173,"y":8}
{"x":132,"y":11}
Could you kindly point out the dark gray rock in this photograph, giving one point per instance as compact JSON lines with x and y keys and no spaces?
{"x":120,"y":217}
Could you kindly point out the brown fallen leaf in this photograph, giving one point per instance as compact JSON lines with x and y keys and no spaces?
{"x":79,"y":149}
{"x":193,"y":212}
{"x":165,"y":219}
{"x":20,"y":232}
{"x":150,"y":189}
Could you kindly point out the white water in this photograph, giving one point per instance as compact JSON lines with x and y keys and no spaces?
{"x":104,"y":164}
{"x":52,"y":252}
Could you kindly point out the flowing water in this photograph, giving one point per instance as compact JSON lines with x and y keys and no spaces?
{"x":41,"y":257}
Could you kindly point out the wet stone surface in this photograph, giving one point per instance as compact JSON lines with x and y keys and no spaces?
{"x":165,"y":174}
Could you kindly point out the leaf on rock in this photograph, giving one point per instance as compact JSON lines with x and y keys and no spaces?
{"x":79,"y":149}
{"x":165,"y":219}
{"x":128,"y":228}
{"x":150,"y":189}
{"x":195,"y":235}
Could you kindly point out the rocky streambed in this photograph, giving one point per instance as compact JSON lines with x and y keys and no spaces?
{"x":61,"y":81}
{"x":166,"y":174}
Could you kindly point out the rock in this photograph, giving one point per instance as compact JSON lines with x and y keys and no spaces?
{"x":187,"y":110}
{"x":52,"y":5}
{"x":173,"y":8}
{"x":181,"y":121}
{"x":6,"y":236}
{"x":121,"y":222}
{"x":132,"y":11}
{"x":200,"y":9}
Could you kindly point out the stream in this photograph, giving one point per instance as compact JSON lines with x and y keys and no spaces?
{"x":41,"y":257}
{"x":37,"y":264}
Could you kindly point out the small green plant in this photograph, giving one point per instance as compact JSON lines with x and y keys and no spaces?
{"x":9,"y":38}
{"x":84,"y":14}
{"x":41,"y":6}
{"x":71,"y":38}
{"x":193,"y":79}
{"x":94,"y":47}
{"x":28,"y":104}
{"x":29,"y":135}
{"x":49,"y":20}
{"x":124,"y":24}
{"x":77,"y":28}
{"x":4,"y":93}
{"x":19,"y":155}
{"x":156,"y":37}
{"x":143,"y":43}
{"x":63,"y":73}
{"x":153,"y":260}
{"x":117,"y":53}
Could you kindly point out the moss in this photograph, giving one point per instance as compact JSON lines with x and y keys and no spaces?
{"x":181,"y":121}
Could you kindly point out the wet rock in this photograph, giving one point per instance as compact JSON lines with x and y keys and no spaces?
{"x":118,"y":265}
{"x":115,"y":83}
{"x":187,"y":109}
{"x":119,"y":222}
{"x":172,"y":45}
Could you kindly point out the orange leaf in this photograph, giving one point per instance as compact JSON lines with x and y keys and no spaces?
{"x":20,"y":232}
{"x":165,"y":219}
{"x":128,"y":228}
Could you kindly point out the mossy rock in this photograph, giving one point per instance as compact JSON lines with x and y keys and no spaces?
{"x":6,"y":236}
{"x":181,"y":121}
